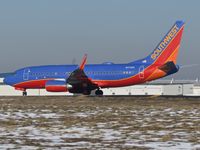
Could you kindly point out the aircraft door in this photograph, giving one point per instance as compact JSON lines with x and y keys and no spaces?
{"x":26,"y":74}
{"x":141,"y":74}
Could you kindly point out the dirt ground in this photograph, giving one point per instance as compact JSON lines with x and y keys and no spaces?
{"x":99,"y":122}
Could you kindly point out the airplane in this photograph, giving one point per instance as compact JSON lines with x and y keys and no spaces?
{"x":85,"y":78}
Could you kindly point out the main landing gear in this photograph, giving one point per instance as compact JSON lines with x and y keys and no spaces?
{"x":86,"y":92}
{"x":24,"y":93}
{"x":99,"y":92}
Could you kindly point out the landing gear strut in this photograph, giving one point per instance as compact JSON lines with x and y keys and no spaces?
{"x":99,"y":92}
{"x":24,"y":93}
{"x":87,"y":92}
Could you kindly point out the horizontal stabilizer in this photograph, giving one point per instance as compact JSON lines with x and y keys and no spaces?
{"x":169,"y":67}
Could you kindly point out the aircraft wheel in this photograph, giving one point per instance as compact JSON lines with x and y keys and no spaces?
{"x":24,"y":93}
{"x":99,"y":92}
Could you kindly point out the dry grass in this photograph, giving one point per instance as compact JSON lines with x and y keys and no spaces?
{"x":94,"y":119}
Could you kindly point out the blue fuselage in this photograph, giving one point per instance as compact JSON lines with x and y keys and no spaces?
{"x":94,"y":71}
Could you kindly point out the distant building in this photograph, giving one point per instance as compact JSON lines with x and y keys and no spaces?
{"x":161,"y":87}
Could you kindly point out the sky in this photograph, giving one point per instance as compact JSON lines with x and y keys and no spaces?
{"x":43,"y":32}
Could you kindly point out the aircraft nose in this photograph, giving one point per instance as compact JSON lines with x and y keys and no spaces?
{"x":7,"y":80}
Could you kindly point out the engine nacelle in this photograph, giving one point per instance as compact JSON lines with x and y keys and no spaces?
{"x":69,"y":86}
{"x":56,"y":86}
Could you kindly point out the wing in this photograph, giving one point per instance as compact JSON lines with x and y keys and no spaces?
{"x":78,"y":81}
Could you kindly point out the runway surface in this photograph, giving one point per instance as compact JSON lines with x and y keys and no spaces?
{"x":99,"y":123}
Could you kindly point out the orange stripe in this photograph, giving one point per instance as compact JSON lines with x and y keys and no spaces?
{"x":173,"y":56}
{"x":181,"y":29}
{"x":159,"y":73}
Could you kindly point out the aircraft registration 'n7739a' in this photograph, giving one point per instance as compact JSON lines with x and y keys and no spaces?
{"x":84,"y":78}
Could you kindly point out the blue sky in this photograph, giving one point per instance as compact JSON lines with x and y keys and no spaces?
{"x":41,"y":32}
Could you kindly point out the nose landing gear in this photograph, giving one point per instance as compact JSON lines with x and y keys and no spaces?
{"x":24,"y":93}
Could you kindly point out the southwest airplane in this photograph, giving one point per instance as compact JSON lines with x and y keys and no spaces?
{"x":85,"y":78}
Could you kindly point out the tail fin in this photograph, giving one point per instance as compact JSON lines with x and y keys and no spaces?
{"x":167,"y":49}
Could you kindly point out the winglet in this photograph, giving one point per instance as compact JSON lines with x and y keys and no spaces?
{"x":84,"y":60}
